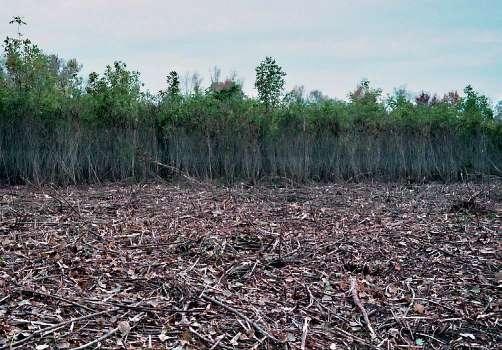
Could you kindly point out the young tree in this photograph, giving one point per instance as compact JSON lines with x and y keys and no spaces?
{"x":226,"y":90}
{"x":364,"y":94}
{"x":40,"y":81}
{"x":452,"y":98}
{"x":399,"y":103}
{"x":20,"y":22}
{"x":173,"y":84}
{"x":476,"y":107}
{"x":269,"y":82}
{"x":423,"y":99}
{"x":115,"y":96}
{"x":365,"y":105}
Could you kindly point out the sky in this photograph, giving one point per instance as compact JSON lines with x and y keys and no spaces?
{"x":329,"y":45}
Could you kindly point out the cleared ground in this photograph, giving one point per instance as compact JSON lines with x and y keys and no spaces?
{"x":197,"y":267}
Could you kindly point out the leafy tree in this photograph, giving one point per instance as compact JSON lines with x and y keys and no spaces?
{"x":364,"y":94}
{"x":399,"y":98}
{"x":228,"y":89}
{"x":400,"y":105}
{"x":37,"y":83}
{"x":452,"y":98}
{"x":423,"y":99}
{"x":116,"y":96}
{"x":173,"y":87}
{"x":173,"y":84}
{"x":269,"y":82}
{"x":475,"y":107}
{"x":70,"y":80}
{"x":365,"y":105}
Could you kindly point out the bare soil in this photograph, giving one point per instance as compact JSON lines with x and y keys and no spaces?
{"x":208,"y":267}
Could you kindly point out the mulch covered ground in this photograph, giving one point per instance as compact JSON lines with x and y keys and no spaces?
{"x":207,"y":267}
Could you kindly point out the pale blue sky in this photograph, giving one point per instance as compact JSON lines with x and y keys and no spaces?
{"x":323,"y":44}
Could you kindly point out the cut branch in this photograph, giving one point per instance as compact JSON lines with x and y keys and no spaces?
{"x":96,"y":341}
{"x":241,"y":315}
{"x":49,"y":330}
{"x":357,"y":301}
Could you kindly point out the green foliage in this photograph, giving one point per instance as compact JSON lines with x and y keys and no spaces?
{"x":367,"y":110}
{"x":365,"y":95}
{"x":295,"y":96}
{"x":269,"y":82}
{"x":475,"y":107}
{"x":56,"y":128}
{"x":173,"y":84}
{"x":34,"y":83}
{"x":116,"y":96}
{"x":227,"y":90}
{"x":400,"y":105}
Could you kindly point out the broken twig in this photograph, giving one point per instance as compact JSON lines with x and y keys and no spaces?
{"x":241,"y":315}
{"x":357,"y":301}
{"x":305,"y":332}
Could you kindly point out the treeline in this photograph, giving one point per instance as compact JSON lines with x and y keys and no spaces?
{"x":57,"y":127}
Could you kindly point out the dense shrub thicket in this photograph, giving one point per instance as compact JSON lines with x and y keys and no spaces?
{"x":56,"y":127}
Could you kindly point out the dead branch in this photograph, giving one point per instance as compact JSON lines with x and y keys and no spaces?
{"x":49,"y":330}
{"x":241,"y":315}
{"x":175,"y":170}
{"x":357,"y":301}
{"x":97,"y":340}
{"x":305,"y":332}
{"x":27,"y":291}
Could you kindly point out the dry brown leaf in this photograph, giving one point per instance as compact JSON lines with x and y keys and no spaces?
{"x":419,"y":308}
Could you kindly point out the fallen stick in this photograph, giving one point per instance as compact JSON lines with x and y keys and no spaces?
{"x":27,"y":291}
{"x":96,"y":341}
{"x":357,"y":301}
{"x":49,"y":330}
{"x":353,"y":337}
{"x":217,"y":342}
{"x":171,"y":168}
{"x":305,"y":332}
{"x":209,"y":341}
{"x":241,"y":315}
{"x":62,"y":201}
{"x":123,"y":329}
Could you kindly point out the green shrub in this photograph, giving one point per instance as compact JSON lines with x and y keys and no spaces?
{"x":55,"y":128}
